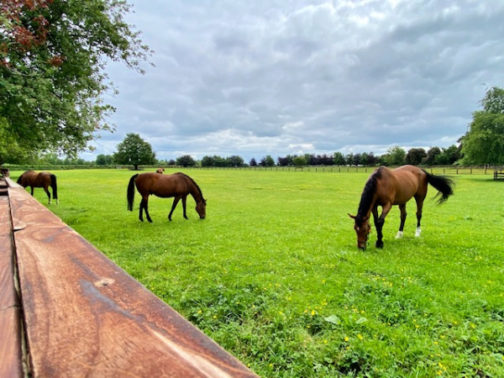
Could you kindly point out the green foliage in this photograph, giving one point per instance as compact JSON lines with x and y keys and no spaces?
{"x":218,"y":161}
{"x":133,"y":150}
{"x":274,"y":276}
{"x":395,"y":156}
{"x":267,"y":161}
{"x":52,"y":73}
{"x":415,"y":156}
{"x":104,"y":159}
{"x":186,"y":161}
{"x":493,"y":102}
{"x":484,"y":142}
{"x":432,"y":154}
{"x":299,"y":161}
{"x":448,"y":156}
{"x":339,"y":159}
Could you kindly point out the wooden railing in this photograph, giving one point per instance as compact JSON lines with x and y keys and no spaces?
{"x":67,"y":310}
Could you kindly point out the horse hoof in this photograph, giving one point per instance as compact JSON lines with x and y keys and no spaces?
{"x":379,"y":244}
{"x":399,"y":235}
{"x":418,"y":232}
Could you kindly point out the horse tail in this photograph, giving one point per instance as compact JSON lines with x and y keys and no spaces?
{"x":443,"y":184}
{"x":54,"y":187}
{"x":131,"y":192}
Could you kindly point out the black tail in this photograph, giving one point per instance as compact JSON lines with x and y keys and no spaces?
{"x":54,"y":187}
{"x":443,"y":184}
{"x":131,"y":192}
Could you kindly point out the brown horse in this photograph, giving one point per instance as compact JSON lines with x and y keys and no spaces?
{"x":387,"y":187}
{"x":160,"y":170}
{"x":177,"y":185}
{"x":40,"y":180}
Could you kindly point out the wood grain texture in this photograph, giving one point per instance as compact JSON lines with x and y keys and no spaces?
{"x":86,"y":317}
{"x":10,"y":334}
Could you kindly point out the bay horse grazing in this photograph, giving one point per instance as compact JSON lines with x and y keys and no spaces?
{"x":160,"y":170}
{"x":387,"y":187}
{"x":177,"y":185}
{"x":40,"y":180}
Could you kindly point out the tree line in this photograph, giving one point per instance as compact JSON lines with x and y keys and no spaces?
{"x":133,"y":150}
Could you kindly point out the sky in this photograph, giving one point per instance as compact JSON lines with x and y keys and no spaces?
{"x":278,"y":77}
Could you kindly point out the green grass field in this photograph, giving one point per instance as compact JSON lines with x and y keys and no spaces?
{"x":274,"y":276}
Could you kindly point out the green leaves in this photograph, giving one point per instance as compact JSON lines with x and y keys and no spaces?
{"x":52,"y":81}
{"x":134,"y":150}
{"x":333,"y":319}
{"x":484,"y":142}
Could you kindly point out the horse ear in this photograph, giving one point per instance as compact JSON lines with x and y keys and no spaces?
{"x":351,"y":216}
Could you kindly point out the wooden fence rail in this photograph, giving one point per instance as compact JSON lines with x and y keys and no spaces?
{"x":67,"y":310}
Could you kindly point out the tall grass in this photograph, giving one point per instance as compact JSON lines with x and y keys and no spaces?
{"x":274,"y":276}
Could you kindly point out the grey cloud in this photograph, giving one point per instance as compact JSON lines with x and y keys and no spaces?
{"x":267,"y":77}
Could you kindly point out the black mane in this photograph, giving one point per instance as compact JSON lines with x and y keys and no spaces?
{"x":367,"y":196}
{"x":194,"y":182}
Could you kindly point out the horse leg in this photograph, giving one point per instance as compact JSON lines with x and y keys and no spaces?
{"x":376,"y":223}
{"x":31,"y":187}
{"x":402,"y":207}
{"x":419,"y":203}
{"x":48,"y":194}
{"x":140,"y":211}
{"x":380,"y":222}
{"x":146,"y":207}
{"x":184,"y":206}
{"x":174,"y":205}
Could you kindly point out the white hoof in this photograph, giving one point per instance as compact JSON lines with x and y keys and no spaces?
{"x":418,"y":232}
{"x":399,"y":235}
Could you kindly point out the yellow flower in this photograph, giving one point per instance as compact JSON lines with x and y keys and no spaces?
{"x":312,"y":312}
{"x":346,"y":339}
{"x":359,"y":336}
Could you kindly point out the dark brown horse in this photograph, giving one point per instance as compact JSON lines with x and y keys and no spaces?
{"x":387,"y":187}
{"x":177,"y":185}
{"x":40,"y":180}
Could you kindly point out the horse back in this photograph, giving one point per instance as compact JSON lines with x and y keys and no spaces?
{"x":161,"y":185}
{"x":405,"y":182}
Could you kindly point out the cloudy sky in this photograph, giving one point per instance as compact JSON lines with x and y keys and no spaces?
{"x":286,"y":77}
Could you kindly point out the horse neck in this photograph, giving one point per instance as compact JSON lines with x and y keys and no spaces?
{"x":194,"y":192}
{"x":369,"y":196}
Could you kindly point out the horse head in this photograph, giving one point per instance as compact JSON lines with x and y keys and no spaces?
{"x":362,"y":229}
{"x":201,"y":208}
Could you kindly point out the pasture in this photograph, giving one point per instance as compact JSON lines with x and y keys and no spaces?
{"x":274,"y":275}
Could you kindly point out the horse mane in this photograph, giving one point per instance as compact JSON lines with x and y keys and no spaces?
{"x":194,"y":182}
{"x":367,"y":196}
